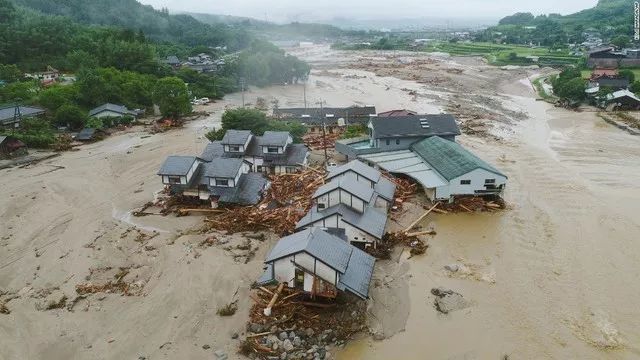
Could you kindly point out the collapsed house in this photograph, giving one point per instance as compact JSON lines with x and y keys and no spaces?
{"x":320,"y":264}
{"x":273,"y":153}
{"x":352,"y":205}
{"x":392,"y":133}
{"x":444,"y":168}
{"x":219,"y":181}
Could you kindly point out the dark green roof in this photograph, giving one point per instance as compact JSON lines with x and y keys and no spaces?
{"x":449,"y":158}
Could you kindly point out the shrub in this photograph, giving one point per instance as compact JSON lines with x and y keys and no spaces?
{"x":95,"y":123}
{"x":72,"y":116}
{"x":228,"y":310}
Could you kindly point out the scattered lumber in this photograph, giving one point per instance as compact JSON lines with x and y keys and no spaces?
{"x":474,"y":204}
{"x":318,"y":141}
{"x":267,"y":310}
{"x":421,"y":217}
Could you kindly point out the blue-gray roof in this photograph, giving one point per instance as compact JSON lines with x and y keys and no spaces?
{"x":373,"y":221}
{"x":385,"y":188}
{"x":295,"y":154}
{"x":358,"y":167}
{"x":415,"y":125}
{"x":248,"y":191}
{"x":177,"y":165}
{"x":222,"y":167}
{"x":348,"y":184}
{"x":7,"y":113}
{"x":213,"y":150}
{"x":235,"y":137}
{"x":323,"y":246}
{"x":86,"y":134}
{"x":274,"y":138}
{"x":450,"y":159}
{"x":120,"y":109}
{"x":357,"y":277}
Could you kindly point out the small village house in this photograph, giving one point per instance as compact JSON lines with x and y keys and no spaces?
{"x":319,"y":264}
{"x":393,"y":133}
{"x":620,"y":100}
{"x":11,"y":116}
{"x":11,"y":147}
{"x":111,"y":110}
{"x":273,"y":153}
{"x":444,"y":168}
{"x":220,"y":181}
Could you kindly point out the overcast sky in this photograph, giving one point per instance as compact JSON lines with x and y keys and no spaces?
{"x":313,"y":10}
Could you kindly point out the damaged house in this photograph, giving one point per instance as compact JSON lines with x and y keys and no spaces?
{"x":320,"y":264}
{"x":331,"y":117}
{"x":272,"y":153}
{"x":219,"y":181}
{"x":352,"y":205}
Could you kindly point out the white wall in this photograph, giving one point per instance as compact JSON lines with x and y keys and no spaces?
{"x":477,"y":177}
{"x":284,"y":271}
{"x":192,"y":170}
{"x":107,"y":113}
{"x":355,"y":234}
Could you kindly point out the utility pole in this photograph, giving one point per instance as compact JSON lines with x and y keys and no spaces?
{"x":304,"y":90}
{"x":242,"y":83}
{"x":324,"y":131}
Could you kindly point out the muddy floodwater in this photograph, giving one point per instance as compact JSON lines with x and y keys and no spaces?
{"x":555,"y":276}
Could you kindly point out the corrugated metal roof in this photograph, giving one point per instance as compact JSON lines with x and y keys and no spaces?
{"x":414,"y":125}
{"x":408,"y":163}
{"x":323,"y":246}
{"x":177,"y":165}
{"x":348,"y":184}
{"x":450,"y":159}
{"x":358,"y":167}
{"x":235,"y":137}
{"x":120,"y":109}
{"x":7,"y":113}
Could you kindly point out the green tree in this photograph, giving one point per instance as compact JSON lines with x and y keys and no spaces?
{"x":626,"y":73}
{"x":245,"y":119}
{"x":620,"y":41}
{"x":20,"y":91}
{"x":520,"y":18}
{"x":54,"y":97}
{"x":10,"y":73}
{"x":94,"y":123}
{"x":635,"y":87}
{"x":71,"y":116}
{"x":172,"y":97}
{"x":571,"y":90}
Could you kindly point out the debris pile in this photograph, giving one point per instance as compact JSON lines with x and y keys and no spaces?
{"x":118,"y":285}
{"x":286,"y":202}
{"x":390,"y":240}
{"x":318,"y":141}
{"x":405,"y":190}
{"x":297,"y":327}
{"x":471,"y":204}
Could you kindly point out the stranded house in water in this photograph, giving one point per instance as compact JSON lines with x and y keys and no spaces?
{"x":232,"y":171}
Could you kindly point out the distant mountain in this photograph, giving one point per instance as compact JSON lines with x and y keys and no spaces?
{"x":130,"y":14}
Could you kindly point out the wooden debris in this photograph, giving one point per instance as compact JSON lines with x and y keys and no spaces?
{"x":267,"y":310}
{"x":421,"y":217}
{"x":318,"y":141}
{"x":474,"y":204}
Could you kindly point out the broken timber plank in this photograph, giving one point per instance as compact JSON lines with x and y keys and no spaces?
{"x":267,"y":310}
{"x":426,"y":232}
{"x":421,"y":217}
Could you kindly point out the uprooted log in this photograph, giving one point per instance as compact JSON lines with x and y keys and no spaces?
{"x":267,"y":310}
{"x":421,"y":217}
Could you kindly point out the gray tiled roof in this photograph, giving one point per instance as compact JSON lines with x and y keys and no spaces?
{"x":235,"y":137}
{"x":212,"y":151}
{"x":294,"y":154}
{"x":400,"y":126}
{"x":450,"y":159}
{"x":357,"y":277}
{"x":323,"y":246}
{"x":358,"y":167}
{"x":222,"y":167}
{"x":120,"y":109}
{"x":348,"y":184}
{"x":247,"y":192}
{"x":7,"y":113}
{"x":274,"y":138}
{"x":177,"y":165}
{"x":385,"y":188}
{"x":372,"y":221}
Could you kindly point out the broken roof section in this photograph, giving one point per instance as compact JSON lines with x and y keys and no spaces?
{"x":414,"y":125}
{"x":236,"y":137}
{"x":177,"y":165}
{"x":354,"y":265}
{"x":408,"y":163}
{"x":450,"y":159}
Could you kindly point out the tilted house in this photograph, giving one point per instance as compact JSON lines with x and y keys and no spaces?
{"x":274,"y":152}
{"x":220,"y":181}
{"x":352,"y":205}
{"x":320,"y":264}
{"x":391,"y":133}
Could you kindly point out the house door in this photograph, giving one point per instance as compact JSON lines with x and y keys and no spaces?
{"x":299,"y":279}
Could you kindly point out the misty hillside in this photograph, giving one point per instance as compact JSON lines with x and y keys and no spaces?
{"x":130,"y":14}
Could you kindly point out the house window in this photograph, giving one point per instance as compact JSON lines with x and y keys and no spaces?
{"x":234,"y":148}
{"x":465,"y":182}
{"x":272,"y":149}
{"x":259,"y":168}
{"x":321,"y":206}
{"x":397,"y":141}
{"x":290,"y":169}
{"x":222,"y":182}
{"x":174,"y":179}
{"x":489,"y":181}
{"x":388,"y":142}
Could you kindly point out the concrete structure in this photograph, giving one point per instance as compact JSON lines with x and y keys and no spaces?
{"x":444,"y":168}
{"x":274,"y":152}
{"x":398,"y":133}
{"x":320,"y":264}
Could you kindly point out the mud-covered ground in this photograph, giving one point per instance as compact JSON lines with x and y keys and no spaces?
{"x":554,"y":276}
